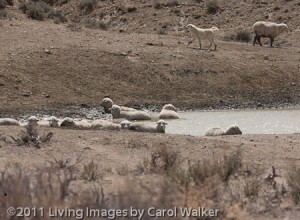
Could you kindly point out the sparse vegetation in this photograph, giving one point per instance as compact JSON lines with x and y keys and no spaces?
{"x":91,"y":171}
{"x":243,"y":35}
{"x":87,"y":6}
{"x":37,"y":10}
{"x":30,"y":137}
{"x":251,"y":188}
{"x":96,"y":24}
{"x":293,"y":179}
{"x":212,"y":6}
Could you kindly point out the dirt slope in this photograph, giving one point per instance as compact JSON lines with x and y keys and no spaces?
{"x":144,"y":67}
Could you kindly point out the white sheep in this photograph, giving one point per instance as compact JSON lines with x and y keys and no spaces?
{"x":125,"y":124}
{"x":129,"y":115}
{"x":268,"y":29}
{"x":231,"y":130}
{"x":158,"y":127}
{"x":168,"y":112}
{"x":53,"y":121}
{"x":33,"y":121}
{"x":68,"y":122}
{"x":104,"y":125}
{"x":107,"y":103}
{"x":202,"y":34}
{"x":8,"y":121}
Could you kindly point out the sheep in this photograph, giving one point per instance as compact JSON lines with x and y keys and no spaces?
{"x":53,"y":121}
{"x":107,"y":103}
{"x":8,"y":121}
{"x":33,"y":121}
{"x":231,"y":130}
{"x":268,"y":29}
{"x":129,"y":115}
{"x":68,"y":122}
{"x":104,"y":125}
{"x":201,"y":34}
{"x":168,"y":112}
{"x":158,"y":127}
{"x":125,"y":124}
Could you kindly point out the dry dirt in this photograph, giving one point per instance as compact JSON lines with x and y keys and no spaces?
{"x":136,"y":66}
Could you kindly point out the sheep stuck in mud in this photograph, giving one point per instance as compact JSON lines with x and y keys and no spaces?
{"x":107,"y":103}
{"x":158,"y":127}
{"x":168,"y":112}
{"x":129,"y":115}
{"x":8,"y":121}
{"x":202,"y":34}
{"x":231,"y":130}
{"x":267,"y":29}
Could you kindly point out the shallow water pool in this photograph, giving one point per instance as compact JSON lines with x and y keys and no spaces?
{"x":250,"y":121}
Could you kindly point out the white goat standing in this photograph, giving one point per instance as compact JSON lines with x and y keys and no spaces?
{"x":201,"y":34}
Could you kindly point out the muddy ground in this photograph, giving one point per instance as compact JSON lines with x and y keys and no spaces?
{"x":142,"y":60}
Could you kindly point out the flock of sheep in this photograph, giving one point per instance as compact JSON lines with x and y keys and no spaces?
{"x":130,"y":118}
{"x":124,"y":118}
{"x":261,"y":29}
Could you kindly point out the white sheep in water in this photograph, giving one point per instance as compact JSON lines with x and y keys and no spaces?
{"x":268,"y":29}
{"x":231,"y":130}
{"x":168,"y":112}
{"x":129,"y":115}
{"x":201,"y":34}
{"x":107,"y":103}
{"x":70,"y":123}
{"x":158,"y":127}
{"x":104,"y":125}
{"x":8,"y":121}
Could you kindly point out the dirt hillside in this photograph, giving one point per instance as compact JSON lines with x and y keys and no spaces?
{"x":141,"y":65}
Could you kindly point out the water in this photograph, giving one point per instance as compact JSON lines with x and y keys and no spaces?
{"x":250,"y":121}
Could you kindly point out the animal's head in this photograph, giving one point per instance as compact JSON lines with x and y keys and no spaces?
{"x":233,"y":130}
{"x":190,"y":26}
{"x":115,"y":110}
{"x":107,"y":103}
{"x":161,"y":125}
{"x":33,"y":118}
{"x":284,"y":28}
{"x":169,"y":107}
{"x":125,"y":124}
{"x":53,"y":121}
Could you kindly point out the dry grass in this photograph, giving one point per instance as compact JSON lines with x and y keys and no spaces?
{"x":293,"y":179}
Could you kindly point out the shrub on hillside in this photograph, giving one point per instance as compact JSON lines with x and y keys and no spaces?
{"x":243,"y":35}
{"x":212,"y":6}
{"x":87,"y":5}
{"x":38,"y":10}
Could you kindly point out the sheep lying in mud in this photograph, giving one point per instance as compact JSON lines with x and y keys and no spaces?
{"x":33,"y":121}
{"x":8,"y":121}
{"x":158,"y":127}
{"x":70,"y":123}
{"x":268,"y":29}
{"x":107,"y":103}
{"x":129,"y":115}
{"x":125,"y":124}
{"x":202,"y":34}
{"x":168,"y":112}
{"x":104,"y":125}
{"x":231,"y":130}
{"x":53,"y":122}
